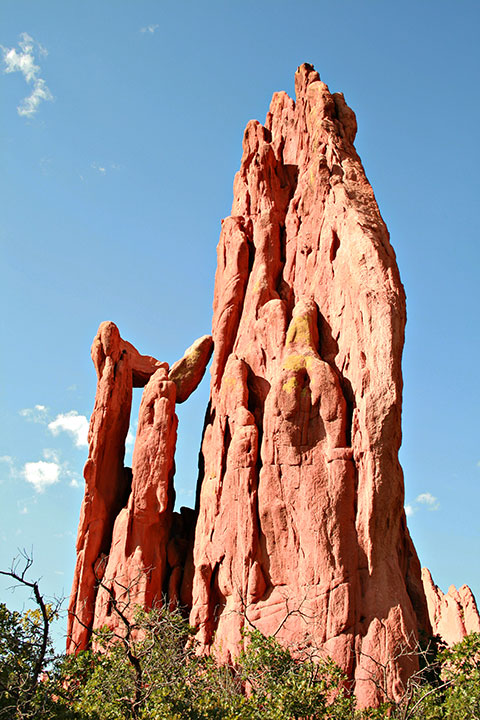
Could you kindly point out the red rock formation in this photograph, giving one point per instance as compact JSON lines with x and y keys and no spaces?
{"x":299,"y":525}
{"x":452,"y":615}
{"x":127,"y":515}
{"x":301,"y":499}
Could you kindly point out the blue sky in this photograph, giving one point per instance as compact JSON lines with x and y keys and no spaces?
{"x":121,"y":131}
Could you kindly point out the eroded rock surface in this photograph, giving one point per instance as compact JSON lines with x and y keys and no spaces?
{"x":299,"y":526}
{"x":129,"y":537}
{"x":301,"y":499}
{"x":453,"y":614}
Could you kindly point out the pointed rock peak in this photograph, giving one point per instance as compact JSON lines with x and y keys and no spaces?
{"x":453,"y":614}
{"x":305,"y":75}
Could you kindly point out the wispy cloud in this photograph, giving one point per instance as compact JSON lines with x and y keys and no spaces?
{"x":149,"y":29}
{"x":429,"y":500}
{"x":8,"y":463}
{"x":74,"y":424}
{"x":51,"y":455}
{"x":37,"y":414}
{"x":23,"y":60}
{"x":103,"y":168}
{"x":426,"y":499}
{"x":41,"y":474}
{"x":99,"y":168}
{"x":70,"y":422}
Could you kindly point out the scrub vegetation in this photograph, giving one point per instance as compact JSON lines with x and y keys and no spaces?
{"x":152,"y":671}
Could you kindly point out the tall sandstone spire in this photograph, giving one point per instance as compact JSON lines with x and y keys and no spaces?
{"x":299,"y":527}
{"x":301,"y":499}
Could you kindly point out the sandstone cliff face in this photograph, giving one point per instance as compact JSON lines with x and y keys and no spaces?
{"x":301,"y":499}
{"x":452,"y":615}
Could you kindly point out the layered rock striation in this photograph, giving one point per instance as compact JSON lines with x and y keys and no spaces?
{"x":299,"y":528}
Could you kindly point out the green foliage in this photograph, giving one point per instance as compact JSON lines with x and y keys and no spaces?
{"x":462,"y":670}
{"x":265,"y":683}
{"x":22,"y":658}
{"x":154,"y":672}
{"x":282,"y":687}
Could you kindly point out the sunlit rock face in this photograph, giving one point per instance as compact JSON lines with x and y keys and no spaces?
{"x":453,"y":614}
{"x":299,"y":527}
{"x":131,"y":546}
{"x":301,"y":498}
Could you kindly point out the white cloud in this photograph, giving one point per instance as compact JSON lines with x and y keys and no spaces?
{"x":428,"y":499}
{"x":99,"y":168}
{"x":149,"y":29}
{"x":41,"y":474}
{"x":23,"y":61}
{"x":51,"y":455}
{"x":102,"y":169}
{"x":74,"y":424}
{"x":75,"y":480}
{"x":37,"y":414}
{"x":9,"y":462}
{"x":29,"y":105}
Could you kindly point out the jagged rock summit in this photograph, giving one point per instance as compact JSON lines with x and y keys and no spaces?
{"x":299,"y":527}
{"x":453,"y":614}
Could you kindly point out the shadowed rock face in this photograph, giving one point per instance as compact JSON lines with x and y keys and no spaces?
{"x":299,"y":526}
{"x":301,"y":500}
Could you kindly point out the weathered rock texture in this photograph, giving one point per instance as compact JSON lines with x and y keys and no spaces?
{"x":452,"y":615}
{"x":301,"y":499}
{"x":128,"y":536}
{"x":299,"y":524}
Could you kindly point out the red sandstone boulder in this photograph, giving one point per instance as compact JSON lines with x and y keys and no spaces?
{"x":452,"y":615}
{"x":301,"y":526}
{"x":187,"y":372}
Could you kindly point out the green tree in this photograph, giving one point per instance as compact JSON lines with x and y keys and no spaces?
{"x":25,"y":649}
{"x":461,"y":670}
{"x":150,"y":669}
{"x":177,"y":682}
